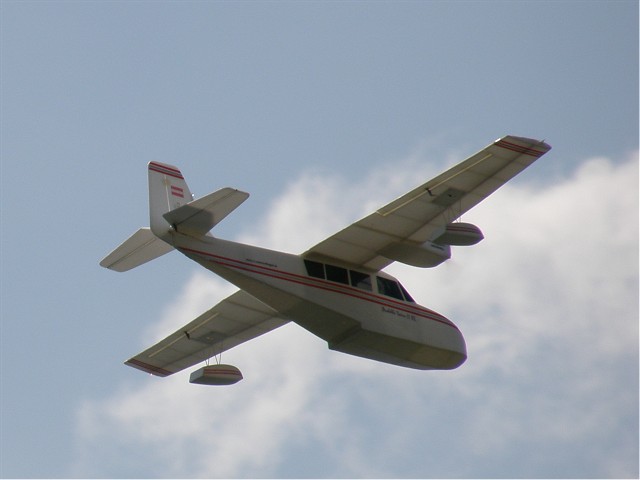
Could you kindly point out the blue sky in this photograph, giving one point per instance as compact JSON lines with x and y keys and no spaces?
{"x":323,"y":112}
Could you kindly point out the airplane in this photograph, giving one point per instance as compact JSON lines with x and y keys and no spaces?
{"x":337,"y":289}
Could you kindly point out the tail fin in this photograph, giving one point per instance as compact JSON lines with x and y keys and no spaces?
{"x":171,"y":210}
{"x":167,"y":191}
{"x":171,"y":205}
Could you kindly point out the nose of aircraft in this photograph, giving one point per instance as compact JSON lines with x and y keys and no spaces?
{"x":456,"y":359}
{"x":457,"y":349}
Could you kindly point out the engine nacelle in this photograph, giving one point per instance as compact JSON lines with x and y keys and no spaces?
{"x":458,"y":234}
{"x":429,"y":254}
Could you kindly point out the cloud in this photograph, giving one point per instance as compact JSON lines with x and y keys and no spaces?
{"x":548,"y":303}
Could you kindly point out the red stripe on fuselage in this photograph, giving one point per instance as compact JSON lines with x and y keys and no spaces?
{"x":324,"y":285}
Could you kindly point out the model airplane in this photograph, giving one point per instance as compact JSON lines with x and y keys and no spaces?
{"x":336,"y":289}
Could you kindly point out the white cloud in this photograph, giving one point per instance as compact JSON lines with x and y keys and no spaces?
{"x":548,"y":304}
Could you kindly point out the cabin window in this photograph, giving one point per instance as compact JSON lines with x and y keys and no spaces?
{"x":360,"y":280}
{"x":389,"y":288}
{"x":337,"y":274}
{"x":314,"y":269}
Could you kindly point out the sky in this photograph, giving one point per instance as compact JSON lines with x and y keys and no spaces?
{"x":323,"y":111}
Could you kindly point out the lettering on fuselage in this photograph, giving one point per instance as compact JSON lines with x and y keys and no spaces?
{"x":398,"y":313}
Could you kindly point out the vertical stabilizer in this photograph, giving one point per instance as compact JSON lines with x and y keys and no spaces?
{"x":167,"y":191}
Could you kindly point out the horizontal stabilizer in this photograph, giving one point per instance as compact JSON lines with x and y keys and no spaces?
{"x":139,"y":248}
{"x":199,"y":216}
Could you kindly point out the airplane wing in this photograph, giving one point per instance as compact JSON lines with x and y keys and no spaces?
{"x":234,"y":320}
{"x":415,"y":217}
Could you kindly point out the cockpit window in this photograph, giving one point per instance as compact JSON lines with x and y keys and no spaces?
{"x":389,"y":288}
{"x":393,"y":289}
{"x":360,"y":280}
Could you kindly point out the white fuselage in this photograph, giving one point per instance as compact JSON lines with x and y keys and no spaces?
{"x":354,"y":318}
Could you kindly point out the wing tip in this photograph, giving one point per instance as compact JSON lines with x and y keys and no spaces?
{"x":523,"y":145}
{"x":145,"y":367}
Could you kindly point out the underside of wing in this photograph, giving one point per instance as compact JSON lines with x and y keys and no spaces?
{"x":400,"y":230}
{"x":236,"y":319}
